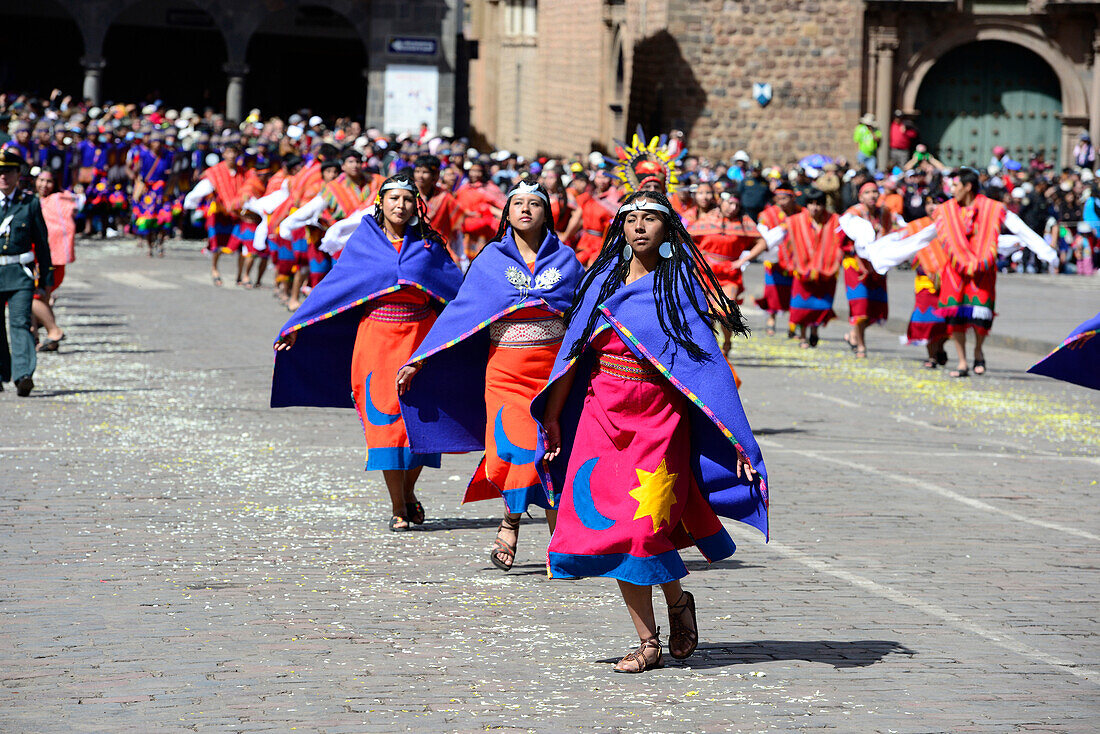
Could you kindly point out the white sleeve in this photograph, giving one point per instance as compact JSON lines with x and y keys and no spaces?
{"x":1008,"y":244}
{"x":301,"y":216}
{"x":859,"y":231}
{"x":1030,"y":239}
{"x":195,"y":196}
{"x":260,"y":241}
{"x":338,"y":234}
{"x":267,"y":204}
{"x":894,"y":249}
{"x":773,"y":237}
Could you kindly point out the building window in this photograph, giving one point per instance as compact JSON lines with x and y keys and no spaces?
{"x":521,"y":18}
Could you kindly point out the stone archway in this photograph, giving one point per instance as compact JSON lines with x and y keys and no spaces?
{"x":986,"y":94}
{"x":1074,"y":98}
{"x":173,"y":50}
{"x":308,"y":54}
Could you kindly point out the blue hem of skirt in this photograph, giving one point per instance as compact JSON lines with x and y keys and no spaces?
{"x":400,"y":458}
{"x":641,"y":571}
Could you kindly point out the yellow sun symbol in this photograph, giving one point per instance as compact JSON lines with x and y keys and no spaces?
{"x":654,"y":495}
{"x":655,"y":152}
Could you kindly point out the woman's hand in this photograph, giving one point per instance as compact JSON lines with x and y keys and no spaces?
{"x":744,"y":468}
{"x":405,"y":376}
{"x":553,"y":439}
{"x":286,"y":342}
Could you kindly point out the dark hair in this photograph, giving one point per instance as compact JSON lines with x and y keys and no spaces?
{"x":426,"y":232}
{"x":427,"y":161}
{"x":816,"y":196}
{"x":547,"y":221}
{"x":683,"y":271}
{"x":328,"y":151}
{"x":351,"y":153}
{"x":970,"y":176}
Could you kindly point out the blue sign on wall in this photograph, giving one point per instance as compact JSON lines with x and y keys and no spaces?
{"x":414,"y":46}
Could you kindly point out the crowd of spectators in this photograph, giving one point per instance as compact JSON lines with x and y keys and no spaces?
{"x":90,"y":149}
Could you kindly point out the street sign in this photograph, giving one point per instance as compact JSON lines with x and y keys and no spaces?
{"x":414,"y":46}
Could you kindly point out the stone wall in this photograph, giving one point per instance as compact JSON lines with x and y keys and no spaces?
{"x":713,"y":52}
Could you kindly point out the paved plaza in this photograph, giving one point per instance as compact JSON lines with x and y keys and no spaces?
{"x":177,"y":557}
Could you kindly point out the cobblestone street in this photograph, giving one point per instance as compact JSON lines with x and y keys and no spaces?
{"x":176,"y":556}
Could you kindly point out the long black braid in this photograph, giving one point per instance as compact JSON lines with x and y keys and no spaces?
{"x":682,"y":272}
{"x":427,"y":234}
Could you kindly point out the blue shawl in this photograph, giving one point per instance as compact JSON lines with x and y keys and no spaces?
{"x":1077,"y":359}
{"x":718,"y":422}
{"x":444,"y":407}
{"x":316,"y":372}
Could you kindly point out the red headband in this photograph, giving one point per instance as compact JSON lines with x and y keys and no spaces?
{"x":783,"y":189}
{"x":866,"y":184}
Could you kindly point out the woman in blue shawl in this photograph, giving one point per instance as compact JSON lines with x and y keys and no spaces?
{"x":644,"y":432}
{"x":488,"y":354}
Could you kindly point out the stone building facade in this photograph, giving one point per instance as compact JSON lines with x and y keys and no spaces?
{"x":592,"y":70}
{"x":281,"y":54}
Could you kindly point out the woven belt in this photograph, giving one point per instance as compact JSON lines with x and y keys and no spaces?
{"x":21,"y":259}
{"x":399,"y":312}
{"x":626,"y":368}
{"x":527,"y":333}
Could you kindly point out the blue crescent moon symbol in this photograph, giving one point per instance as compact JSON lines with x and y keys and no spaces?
{"x":374,"y":415}
{"x":585,"y":508}
{"x":515,"y":455}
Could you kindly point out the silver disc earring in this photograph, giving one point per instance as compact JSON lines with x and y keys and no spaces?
{"x":628,"y":253}
{"x":665,"y":250}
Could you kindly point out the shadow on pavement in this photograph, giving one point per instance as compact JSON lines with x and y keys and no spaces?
{"x":838,"y":653}
{"x":77,"y":391}
{"x":777,"y":431}
{"x":460,"y":523}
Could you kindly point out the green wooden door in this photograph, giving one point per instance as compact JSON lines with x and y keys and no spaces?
{"x":990,"y":93}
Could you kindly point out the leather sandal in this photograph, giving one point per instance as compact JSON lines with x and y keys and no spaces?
{"x":395,"y":524}
{"x":637,"y":661}
{"x":979,"y":366}
{"x":415,"y":513}
{"x":680,"y":635}
{"x":500,"y":548}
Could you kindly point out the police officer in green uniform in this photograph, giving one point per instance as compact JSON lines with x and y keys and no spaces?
{"x":23,"y":243}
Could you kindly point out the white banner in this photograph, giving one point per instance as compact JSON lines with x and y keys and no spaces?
{"x":412,"y":97}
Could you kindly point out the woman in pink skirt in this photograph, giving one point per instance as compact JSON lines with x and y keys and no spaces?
{"x":642,"y":427}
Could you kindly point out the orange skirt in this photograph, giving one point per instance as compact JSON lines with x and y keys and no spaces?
{"x":516,"y":371}
{"x":389,"y":332}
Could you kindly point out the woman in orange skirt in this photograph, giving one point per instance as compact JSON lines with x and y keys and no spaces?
{"x":498,"y":340}
{"x":361,"y":323}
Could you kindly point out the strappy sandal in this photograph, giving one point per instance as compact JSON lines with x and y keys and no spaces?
{"x":415,"y":513}
{"x":964,"y":372}
{"x":505,"y":549}
{"x":803,"y":344}
{"x":979,"y":367}
{"x":861,"y":353}
{"x":813,"y":340}
{"x":679,"y":635}
{"x":396,"y":528}
{"x":638,"y":658}
{"x":848,"y":340}
{"x":769,"y":330}
{"x":929,"y":364}
{"x":941,"y":357}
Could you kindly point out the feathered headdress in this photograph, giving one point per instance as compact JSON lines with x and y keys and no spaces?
{"x":639,"y":161}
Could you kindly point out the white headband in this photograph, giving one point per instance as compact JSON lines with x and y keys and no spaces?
{"x":643,"y":203}
{"x":401,"y":185}
{"x":526,"y":188}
